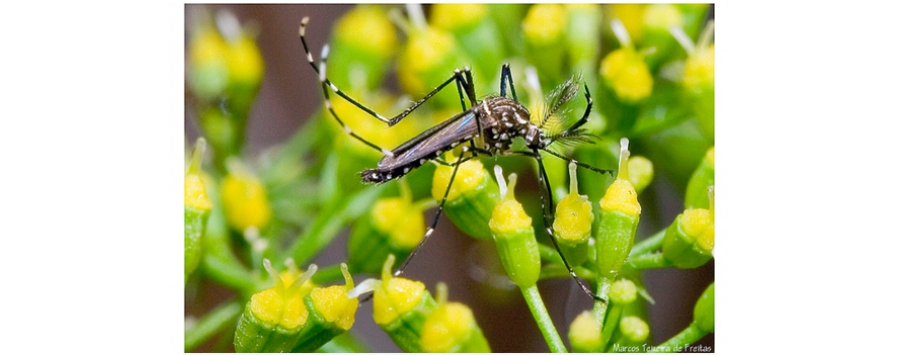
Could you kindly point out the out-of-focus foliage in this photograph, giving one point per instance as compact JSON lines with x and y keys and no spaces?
{"x":650,"y":71}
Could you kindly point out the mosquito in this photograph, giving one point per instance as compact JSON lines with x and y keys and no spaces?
{"x":488,"y":127}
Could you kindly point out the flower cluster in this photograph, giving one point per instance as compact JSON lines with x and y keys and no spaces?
{"x":646,"y":71}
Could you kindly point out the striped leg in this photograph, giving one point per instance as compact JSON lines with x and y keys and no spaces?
{"x":330,"y":107}
{"x":582,"y":165}
{"x":582,"y":121}
{"x":456,"y":77}
{"x":549,"y":218}
{"x":323,"y":77}
{"x":461,"y":159}
{"x":460,"y":83}
{"x":549,"y":211}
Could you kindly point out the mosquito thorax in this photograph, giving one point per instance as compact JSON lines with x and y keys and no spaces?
{"x":504,"y":119}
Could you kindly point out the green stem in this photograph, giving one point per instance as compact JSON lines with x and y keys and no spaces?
{"x":648,"y":261}
{"x":543,"y":321}
{"x":649,"y":244}
{"x":344,"y":343}
{"x":688,"y":336}
{"x":288,"y":163}
{"x":219,"y":260}
{"x":229,"y":273}
{"x":210,"y":324}
{"x":599,"y":309}
{"x":329,"y":222}
{"x":558,"y":271}
{"x":610,"y":325}
{"x":549,"y":254}
{"x":318,"y":235}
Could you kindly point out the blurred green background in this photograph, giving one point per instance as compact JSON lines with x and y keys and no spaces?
{"x":674,"y":140}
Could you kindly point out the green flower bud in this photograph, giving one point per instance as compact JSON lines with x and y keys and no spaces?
{"x":224,"y":132}
{"x":361,"y":62}
{"x":401,"y":307}
{"x":634,"y":329}
{"x":583,"y":29}
{"x":245,"y":65}
{"x":631,"y":16}
{"x":544,"y":35}
{"x":197,"y":207}
{"x":618,"y":217}
{"x":395,"y":226}
{"x":451,"y":328}
{"x":698,"y":77}
{"x":698,"y":74}
{"x":641,"y":172}
{"x":207,"y":69}
{"x":331,"y":313}
{"x":657,"y":21}
{"x":573,"y":222}
{"x":689,"y":241}
{"x":585,"y":334}
{"x":514,"y":235}
{"x":274,"y":318}
{"x":452,"y":17}
{"x":475,"y":31}
{"x":703,"y":314}
{"x":244,"y":198}
{"x":702,"y":178}
{"x":544,"y":24}
{"x":623,"y":292}
{"x":429,"y":57}
{"x":624,"y":71}
{"x":224,"y":65}
{"x":627,"y":82}
{"x":219,"y":260}
{"x":471,"y":200}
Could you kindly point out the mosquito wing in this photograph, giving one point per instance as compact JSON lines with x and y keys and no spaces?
{"x":424,"y":147}
{"x":434,"y":141}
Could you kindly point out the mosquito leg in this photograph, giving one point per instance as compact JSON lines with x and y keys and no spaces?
{"x":506,"y":77}
{"x":548,"y":218}
{"x":585,"y":114}
{"x":548,"y":206}
{"x":472,"y":95}
{"x":461,"y":159}
{"x":461,"y":96}
{"x":582,"y":165}
{"x":469,"y":88}
{"x":330,"y":106}
{"x":327,"y":83}
{"x":457,"y":77}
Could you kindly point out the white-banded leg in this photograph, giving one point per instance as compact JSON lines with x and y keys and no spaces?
{"x":330,"y":107}
{"x":461,"y":159}
{"x":460,"y":85}
{"x":549,"y":218}
{"x":456,"y":77}
{"x":323,"y":77}
{"x":582,"y":165}
{"x":548,"y":206}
